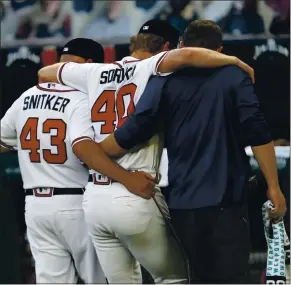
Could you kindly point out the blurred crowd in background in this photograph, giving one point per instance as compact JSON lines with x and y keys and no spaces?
{"x":23,"y":19}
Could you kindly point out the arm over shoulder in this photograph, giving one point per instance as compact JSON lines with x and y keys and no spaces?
{"x":77,"y":75}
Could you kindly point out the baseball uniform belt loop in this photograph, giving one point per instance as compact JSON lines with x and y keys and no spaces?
{"x":100,"y":179}
{"x":50,"y":191}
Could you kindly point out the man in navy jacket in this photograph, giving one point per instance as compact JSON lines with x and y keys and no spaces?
{"x":208,"y":117}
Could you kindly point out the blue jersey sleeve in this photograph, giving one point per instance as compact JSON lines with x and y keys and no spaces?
{"x":146,"y":120}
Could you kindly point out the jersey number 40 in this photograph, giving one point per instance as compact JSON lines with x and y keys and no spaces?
{"x":113,"y":108}
{"x":29,"y":140}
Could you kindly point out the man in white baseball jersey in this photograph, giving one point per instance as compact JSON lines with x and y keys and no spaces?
{"x":125,"y":228}
{"x":46,"y":124}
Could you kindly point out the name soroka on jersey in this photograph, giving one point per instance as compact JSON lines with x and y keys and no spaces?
{"x":117,"y":75}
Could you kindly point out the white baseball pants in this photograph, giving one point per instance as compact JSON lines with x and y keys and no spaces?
{"x":59,"y":240}
{"x":127,"y":231}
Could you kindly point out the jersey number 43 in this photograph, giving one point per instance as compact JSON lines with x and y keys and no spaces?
{"x":113,"y":107}
{"x":29,"y":140}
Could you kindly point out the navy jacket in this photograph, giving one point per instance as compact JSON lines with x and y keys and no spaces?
{"x":208,"y":116}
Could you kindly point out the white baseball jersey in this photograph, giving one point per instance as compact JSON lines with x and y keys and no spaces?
{"x":43,"y":124}
{"x":114,"y":90}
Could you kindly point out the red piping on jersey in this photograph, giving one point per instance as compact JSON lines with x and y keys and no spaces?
{"x":80,"y":138}
{"x":54,"y":90}
{"x":159,"y":61}
{"x":7,"y":146}
{"x":117,"y":64}
{"x":60,"y":73}
{"x":130,"y":61}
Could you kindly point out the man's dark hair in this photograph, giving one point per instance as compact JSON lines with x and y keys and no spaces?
{"x":203,"y":33}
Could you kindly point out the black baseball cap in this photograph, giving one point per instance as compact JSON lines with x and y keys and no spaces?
{"x":163,"y":29}
{"x":85,"y":48}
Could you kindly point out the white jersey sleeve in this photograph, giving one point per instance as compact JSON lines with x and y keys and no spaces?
{"x":80,"y":123}
{"x":8,"y":127}
{"x":155,"y":61}
{"x":77,"y":75}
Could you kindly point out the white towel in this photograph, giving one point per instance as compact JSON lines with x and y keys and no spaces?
{"x":278,"y":261}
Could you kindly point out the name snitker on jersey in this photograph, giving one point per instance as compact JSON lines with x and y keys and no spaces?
{"x":46,"y":101}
